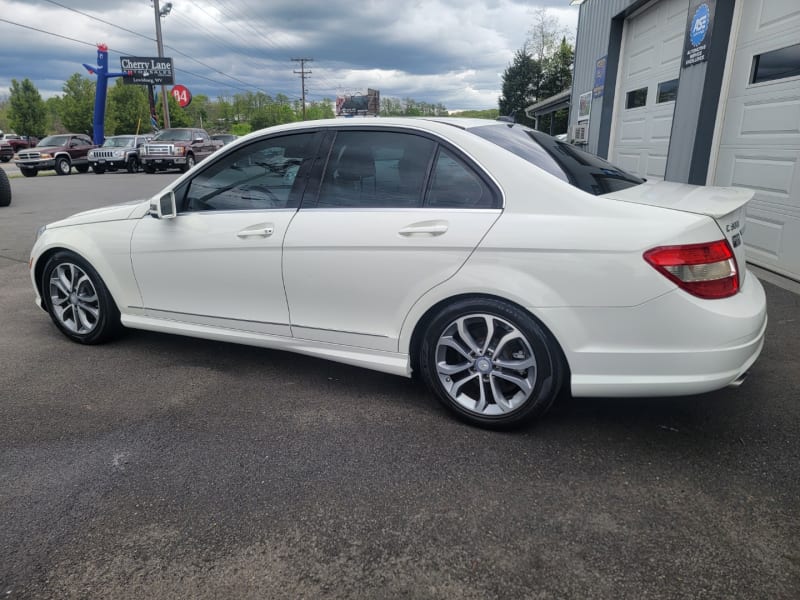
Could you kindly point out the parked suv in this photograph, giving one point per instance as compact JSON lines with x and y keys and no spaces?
{"x":177,"y":148}
{"x":11,"y":143}
{"x":60,"y":152}
{"x":117,"y":152}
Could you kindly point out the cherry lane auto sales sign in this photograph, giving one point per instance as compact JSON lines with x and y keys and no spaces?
{"x":147,"y":70}
{"x":698,"y":32}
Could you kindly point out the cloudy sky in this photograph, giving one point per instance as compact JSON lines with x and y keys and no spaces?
{"x":448,"y":51}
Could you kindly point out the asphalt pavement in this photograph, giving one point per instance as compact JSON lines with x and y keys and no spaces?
{"x":166,"y":467}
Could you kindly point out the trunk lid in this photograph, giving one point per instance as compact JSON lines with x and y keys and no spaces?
{"x":726,"y":205}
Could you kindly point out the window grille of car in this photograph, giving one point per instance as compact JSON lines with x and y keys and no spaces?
{"x":160,"y":150}
{"x":103,"y":154}
{"x":29,"y":155}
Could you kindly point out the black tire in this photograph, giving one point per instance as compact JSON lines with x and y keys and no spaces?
{"x":133,"y":165}
{"x":5,"y":158}
{"x":99,"y":170}
{"x":63,"y":166}
{"x":484,"y":390}
{"x":190,"y":162}
{"x":149,"y":169}
{"x":78,"y":301}
{"x":5,"y":189}
{"x":82,"y":168}
{"x":29,"y":172}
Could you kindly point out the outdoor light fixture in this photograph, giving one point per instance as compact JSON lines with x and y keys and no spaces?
{"x":165,"y":10}
{"x":576,"y":2}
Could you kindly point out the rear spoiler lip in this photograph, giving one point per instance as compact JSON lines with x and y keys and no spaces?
{"x":712,"y":201}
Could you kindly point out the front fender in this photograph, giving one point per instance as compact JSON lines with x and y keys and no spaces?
{"x":112,"y":263}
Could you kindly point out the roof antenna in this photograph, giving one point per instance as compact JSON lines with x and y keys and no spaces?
{"x":508,"y":119}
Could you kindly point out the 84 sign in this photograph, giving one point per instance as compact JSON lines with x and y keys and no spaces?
{"x":182,"y":95}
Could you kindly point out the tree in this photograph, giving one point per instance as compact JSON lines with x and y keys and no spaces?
{"x":178,"y":117}
{"x":128,"y":109}
{"x":520,"y":86}
{"x":77,"y":104}
{"x":544,"y":35}
{"x":557,"y":70}
{"x":26,"y":111}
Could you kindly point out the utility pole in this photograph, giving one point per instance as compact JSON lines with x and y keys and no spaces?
{"x":302,"y":72}
{"x":160,"y":44}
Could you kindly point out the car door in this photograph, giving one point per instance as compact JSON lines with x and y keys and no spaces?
{"x":218,"y":263}
{"x":396,"y":214}
{"x":78,"y":147}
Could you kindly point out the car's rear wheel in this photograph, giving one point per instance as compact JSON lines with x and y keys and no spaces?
{"x":78,"y":301}
{"x":29,"y":172}
{"x":63,"y":166}
{"x":491,"y":363}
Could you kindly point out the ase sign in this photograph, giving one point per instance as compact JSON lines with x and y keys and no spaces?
{"x":147,"y":70}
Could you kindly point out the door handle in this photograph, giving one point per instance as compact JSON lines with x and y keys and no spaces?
{"x":260,"y":230}
{"x":425,"y":228}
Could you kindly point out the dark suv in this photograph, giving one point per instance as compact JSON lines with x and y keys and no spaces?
{"x":60,"y":152}
{"x":117,"y":152}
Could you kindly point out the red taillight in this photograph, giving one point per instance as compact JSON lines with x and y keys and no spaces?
{"x":704,"y":270}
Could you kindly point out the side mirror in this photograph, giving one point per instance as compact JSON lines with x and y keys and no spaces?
{"x":164,"y":207}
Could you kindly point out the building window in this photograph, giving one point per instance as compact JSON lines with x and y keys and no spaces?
{"x":636,"y":98}
{"x":777,"y":64}
{"x":667,"y":91}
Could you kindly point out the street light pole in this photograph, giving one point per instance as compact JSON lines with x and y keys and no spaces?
{"x":160,"y":45}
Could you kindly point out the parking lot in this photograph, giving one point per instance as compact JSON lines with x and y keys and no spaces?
{"x":167,"y":467}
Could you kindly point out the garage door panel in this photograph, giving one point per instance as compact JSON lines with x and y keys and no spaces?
{"x":771,"y":118}
{"x":760,"y":139}
{"x":656,"y":165}
{"x":634,"y":131}
{"x":652,"y":49}
{"x":771,"y":15}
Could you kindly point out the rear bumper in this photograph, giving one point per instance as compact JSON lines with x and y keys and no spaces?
{"x":674,"y":345}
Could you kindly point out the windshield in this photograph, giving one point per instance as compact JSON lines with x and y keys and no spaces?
{"x":118,"y":142}
{"x":54,"y":140}
{"x":586,"y":171}
{"x":174,"y":135}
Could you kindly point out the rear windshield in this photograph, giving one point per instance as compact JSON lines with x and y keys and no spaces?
{"x":583,"y":170}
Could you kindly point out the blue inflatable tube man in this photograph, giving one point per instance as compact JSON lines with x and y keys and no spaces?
{"x":101,"y":70}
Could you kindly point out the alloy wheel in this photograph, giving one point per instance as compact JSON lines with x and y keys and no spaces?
{"x":485,"y":364}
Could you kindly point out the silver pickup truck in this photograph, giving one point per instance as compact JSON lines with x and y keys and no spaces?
{"x":177,"y":148}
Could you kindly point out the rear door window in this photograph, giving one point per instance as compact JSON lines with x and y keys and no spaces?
{"x":586,"y":171}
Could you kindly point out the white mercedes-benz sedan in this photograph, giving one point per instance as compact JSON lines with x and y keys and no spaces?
{"x":498,"y":263}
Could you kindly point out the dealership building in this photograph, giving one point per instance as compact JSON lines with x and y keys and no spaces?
{"x":699,"y":91}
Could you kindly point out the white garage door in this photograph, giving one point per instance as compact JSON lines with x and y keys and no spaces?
{"x":760,"y":142}
{"x":648,"y":81}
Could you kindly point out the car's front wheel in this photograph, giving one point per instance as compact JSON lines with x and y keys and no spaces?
{"x":78,"y":301}
{"x":133,"y":165}
{"x":190,"y":162}
{"x":29,"y":172}
{"x":63,"y":166}
{"x":491,"y":363}
{"x":82,"y":168}
{"x":99,"y":170}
